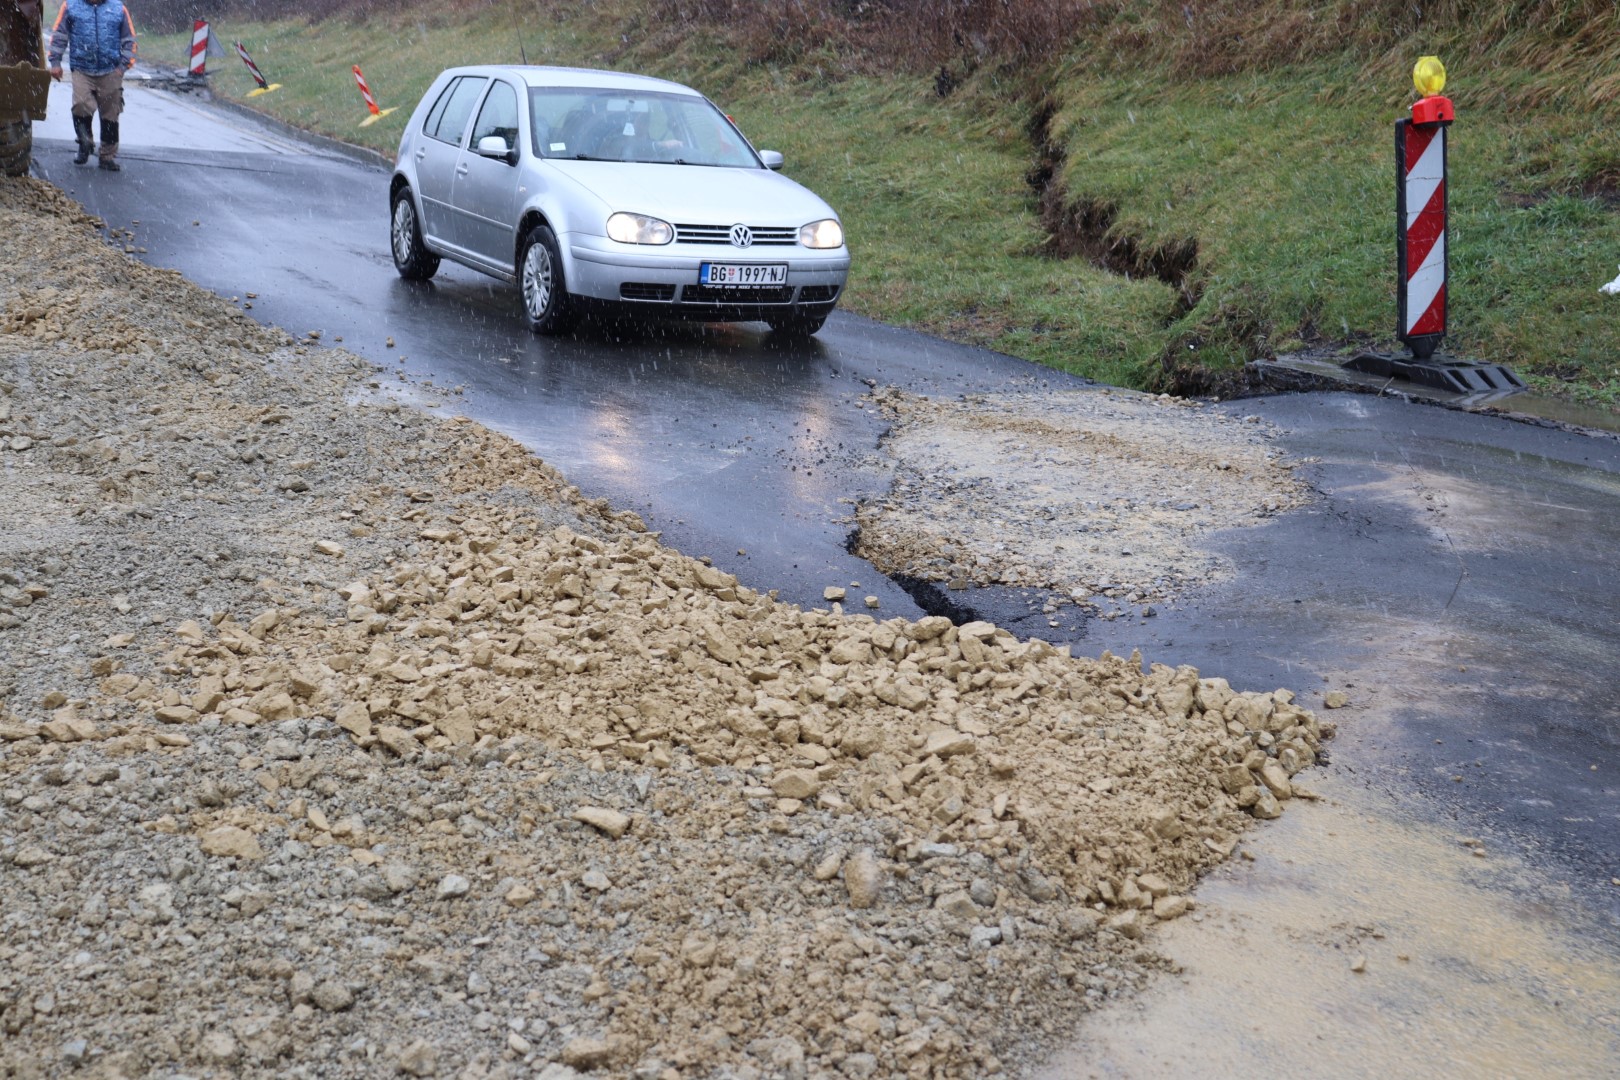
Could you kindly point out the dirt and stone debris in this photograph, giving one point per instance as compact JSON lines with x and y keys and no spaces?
{"x":344,"y":739}
{"x":1100,"y":496}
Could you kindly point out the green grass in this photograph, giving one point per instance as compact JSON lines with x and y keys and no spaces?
{"x":1284,"y":180}
{"x":1287,"y":182}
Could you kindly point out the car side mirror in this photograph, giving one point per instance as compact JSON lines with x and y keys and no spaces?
{"x":493,"y":146}
{"x":771,"y":158}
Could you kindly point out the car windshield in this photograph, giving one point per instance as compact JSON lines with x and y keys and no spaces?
{"x":614,"y":125}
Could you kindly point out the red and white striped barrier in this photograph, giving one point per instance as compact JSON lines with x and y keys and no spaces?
{"x":1420,"y":209}
{"x":265,"y":86}
{"x":365,"y":91}
{"x":371,"y":102}
{"x":203,"y":45}
{"x":253,"y":69}
{"x":1421,"y":255}
{"x":1421,"y":248}
{"x":199,"y":48}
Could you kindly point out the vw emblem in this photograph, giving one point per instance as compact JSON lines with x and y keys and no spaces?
{"x":741,"y":236}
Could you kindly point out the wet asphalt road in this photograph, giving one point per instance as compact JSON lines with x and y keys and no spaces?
{"x":1457,"y":577}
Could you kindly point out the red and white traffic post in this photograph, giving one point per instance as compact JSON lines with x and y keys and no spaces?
{"x":365,"y":91}
{"x":199,"y":48}
{"x":1420,"y":210}
{"x":264,"y":85}
{"x":1421,"y":255}
{"x":371,"y":102}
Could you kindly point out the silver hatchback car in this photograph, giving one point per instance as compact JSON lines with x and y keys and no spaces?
{"x":595,"y":188}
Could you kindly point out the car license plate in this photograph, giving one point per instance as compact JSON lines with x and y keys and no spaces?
{"x":743,"y":275}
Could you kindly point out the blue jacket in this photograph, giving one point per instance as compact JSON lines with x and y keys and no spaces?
{"x":97,"y":35}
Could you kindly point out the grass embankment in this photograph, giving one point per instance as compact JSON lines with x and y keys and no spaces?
{"x":1263,"y":197}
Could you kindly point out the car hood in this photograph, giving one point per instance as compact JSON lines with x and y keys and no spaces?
{"x":697,"y":195}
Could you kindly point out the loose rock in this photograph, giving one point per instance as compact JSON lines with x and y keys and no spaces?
{"x":863,"y":878}
{"x":452,"y":885}
{"x":610,"y":822}
{"x":228,"y":841}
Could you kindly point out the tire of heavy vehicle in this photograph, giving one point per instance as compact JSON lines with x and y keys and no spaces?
{"x":800,"y":325}
{"x":546,"y":303}
{"x":411,"y":257}
{"x":16,"y":147}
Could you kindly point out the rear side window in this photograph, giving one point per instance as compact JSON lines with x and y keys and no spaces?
{"x":431,"y":124}
{"x":447,"y":120}
{"x":499,"y":116}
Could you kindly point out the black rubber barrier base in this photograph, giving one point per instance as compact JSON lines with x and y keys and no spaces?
{"x":1456,"y":375}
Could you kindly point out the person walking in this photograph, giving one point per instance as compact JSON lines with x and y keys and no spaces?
{"x":98,"y":37}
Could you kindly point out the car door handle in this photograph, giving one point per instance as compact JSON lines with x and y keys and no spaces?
{"x":461,"y":170}
{"x":422,"y":153}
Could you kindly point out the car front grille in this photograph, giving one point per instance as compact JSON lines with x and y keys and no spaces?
{"x":645,"y":290}
{"x":818,"y":294}
{"x":710,"y":294}
{"x":721,"y":234}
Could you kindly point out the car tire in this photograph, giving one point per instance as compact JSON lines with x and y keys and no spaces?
{"x":798,"y":325}
{"x":546,"y":303}
{"x":411,"y":257}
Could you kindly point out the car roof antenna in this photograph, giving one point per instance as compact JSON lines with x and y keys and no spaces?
{"x":517,"y":30}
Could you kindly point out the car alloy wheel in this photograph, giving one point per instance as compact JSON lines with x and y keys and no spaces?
{"x":411,"y":257}
{"x":540,"y":278}
{"x":404,"y":226}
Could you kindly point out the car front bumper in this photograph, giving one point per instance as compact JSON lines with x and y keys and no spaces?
{"x":666,"y":278}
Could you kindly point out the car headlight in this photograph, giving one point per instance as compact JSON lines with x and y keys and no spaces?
{"x":639,"y":229}
{"x":826,"y":233}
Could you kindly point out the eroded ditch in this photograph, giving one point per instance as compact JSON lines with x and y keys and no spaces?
{"x":1085,"y":228}
{"x":1088,"y":228}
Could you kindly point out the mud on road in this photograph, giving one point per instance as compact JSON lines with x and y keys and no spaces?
{"x":339,"y":738}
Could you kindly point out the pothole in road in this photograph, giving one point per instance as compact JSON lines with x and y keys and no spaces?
{"x":1025,"y":613}
{"x":1093,"y":498}
{"x":935,"y":600}
{"x":927,"y":595}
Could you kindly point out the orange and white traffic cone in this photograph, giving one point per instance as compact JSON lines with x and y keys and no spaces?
{"x":371,"y":102}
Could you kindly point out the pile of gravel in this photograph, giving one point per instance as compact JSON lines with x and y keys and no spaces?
{"x":343,"y":739}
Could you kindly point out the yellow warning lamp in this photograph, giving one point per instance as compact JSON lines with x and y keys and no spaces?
{"x":1429,"y":76}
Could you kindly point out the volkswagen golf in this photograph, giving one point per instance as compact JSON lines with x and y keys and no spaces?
{"x":595,"y":189}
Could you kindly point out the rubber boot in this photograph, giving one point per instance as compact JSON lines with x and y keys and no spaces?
{"x":109,"y":145}
{"x":87,"y":142}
